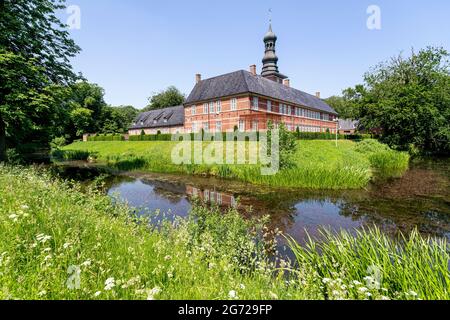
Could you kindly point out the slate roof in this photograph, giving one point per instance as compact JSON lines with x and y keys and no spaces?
{"x":242,"y":81}
{"x":346,"y":124}
{"x":168,"y":117}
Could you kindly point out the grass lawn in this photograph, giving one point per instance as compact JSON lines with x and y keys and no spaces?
{"x":318,"y":164}
{"x":57,"y":242}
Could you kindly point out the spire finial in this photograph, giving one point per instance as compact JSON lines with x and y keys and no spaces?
{"x":270,"y":19}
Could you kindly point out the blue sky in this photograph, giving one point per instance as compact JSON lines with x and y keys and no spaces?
{"x":133,"y":48}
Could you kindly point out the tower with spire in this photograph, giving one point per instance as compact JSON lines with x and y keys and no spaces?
{"x":270,"y":60}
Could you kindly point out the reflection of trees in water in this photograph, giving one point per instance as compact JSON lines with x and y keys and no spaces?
{"x":173,"y":192}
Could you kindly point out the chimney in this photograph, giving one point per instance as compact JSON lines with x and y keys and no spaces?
{"x":318,"y":94}
{"x":253,"y":69}
{"x":287,"y":82}
{"x":198,"y":78}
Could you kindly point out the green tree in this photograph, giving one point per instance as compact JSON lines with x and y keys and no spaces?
{"x":167,"y":98}
{"x":344,"y":105}
{"x":82,"y":120}
{"x":409,"y":100}
{"x":117,"y":119}
{"x":35,"y":50}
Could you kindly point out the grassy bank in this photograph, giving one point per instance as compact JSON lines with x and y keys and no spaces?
{"x":318,"y":164}
{"x":57,"y":242}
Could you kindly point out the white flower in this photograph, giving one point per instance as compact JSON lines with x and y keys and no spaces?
{"x":412,"y":293}
{"x":273,"y":296}
{"x":362,"y":289}
{"x":152,"y":293}
{"x":242,"y":286}
{"x":97,"y":293}
{"x":232,"y":294}
{"x":167,"y":257}
{"x":43,"y":238}
{"x":357,"y":283}
{"x":67,"y":245}
{"x":87,"y":263}
{"x":42,"y":293}
{"x":24,"y":207}
{"x":13,"y":217}
{"x":326,"y":280}
{"x":368,"y":294}
{"x":110,"y":283}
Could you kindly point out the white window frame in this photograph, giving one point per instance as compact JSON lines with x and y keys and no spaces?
{"x":269,"y":106}
{"x":205,"y":108}
{"x":241,"y":125}
{"x":218,"y":126}
{"x":233,"y":104}
{"x":255,"y":103}
{"x":211,"y":107}
{"x":255,"y":125}
{"x":194,"y":110}
{"x":218,"y":106}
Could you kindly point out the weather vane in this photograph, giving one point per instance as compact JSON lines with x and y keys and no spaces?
{"x":270,"y":15}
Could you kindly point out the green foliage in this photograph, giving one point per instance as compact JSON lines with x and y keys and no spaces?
{"x":58,"y":142}
{"x":167,"y":98}
{"x":107,"y":137}
{"x":52,"y":231}
{"x":35,"y":49}
{"x":370,"y":265}
{"x":388,"y":162}
{"x":343,"y":105}
{"x":408,"y":99}
{"x":318,"y":164}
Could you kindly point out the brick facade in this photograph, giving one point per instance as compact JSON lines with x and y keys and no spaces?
{"x":249,"y":117}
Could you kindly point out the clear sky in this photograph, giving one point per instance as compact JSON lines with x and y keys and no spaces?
{"x":133,"y":48}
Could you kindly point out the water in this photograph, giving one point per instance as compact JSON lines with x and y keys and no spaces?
{"x":421,"y":198}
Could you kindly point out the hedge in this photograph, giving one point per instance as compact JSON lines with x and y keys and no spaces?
{"x":107,"y":137}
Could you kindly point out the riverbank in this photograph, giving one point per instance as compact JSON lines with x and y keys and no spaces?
{"x":317,"y":164}
{"x":57,"y":242}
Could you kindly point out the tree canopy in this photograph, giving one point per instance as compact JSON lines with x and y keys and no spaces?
{"x":409,"y":100}
{"x":35,"y":49}
{"x":166,"y":98}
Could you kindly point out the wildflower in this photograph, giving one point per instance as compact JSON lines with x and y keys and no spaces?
{"x":109,"y":284}
{"x":273,"y":295}
{"x":368,"y":294}
{"x":326,"y":280}
{"x":24,"y":207}
{"x":152,"y":293}
{"x":167,"y":258}
{"x":357,"y":283}
{"x":97,"y":293}
{"x":412,"y":293}
{"x":232,"y":294}
{"x":42,"y":293}
{"x":87,"y":263}
{"x":67,"y":245}
{"x":47,"y":250}
{"x":362,"y":289}
{"x":170,"y":275}
{"x":13,"y":217}
{"x":242,"y":286}
{"x":43,"y":238}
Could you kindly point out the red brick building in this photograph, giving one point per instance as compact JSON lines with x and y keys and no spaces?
{"x":246,"y":101}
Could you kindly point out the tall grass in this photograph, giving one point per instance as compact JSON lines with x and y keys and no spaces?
{"x":57,"y":242}
{"x":318,"y":164}
{"x":372,"y":265}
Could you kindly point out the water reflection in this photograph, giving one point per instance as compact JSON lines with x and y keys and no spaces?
{"x":420,"y":199}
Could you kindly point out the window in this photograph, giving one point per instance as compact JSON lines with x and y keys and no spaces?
{"x":255,"y":125}
{"x":206,"y":126}
{"x":218,"y":126}
{"x":205,"y":108}
{"x":289,"y":110}
{"x":194,"y":110}
{"x":211,"y":107}
{"x":219,"y":106}
{"x":194,"y":127}
{"x":269,"y":106}
{"x":255,"y":103}
{"x":233,"y":104}
{"x":241,"y":125}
